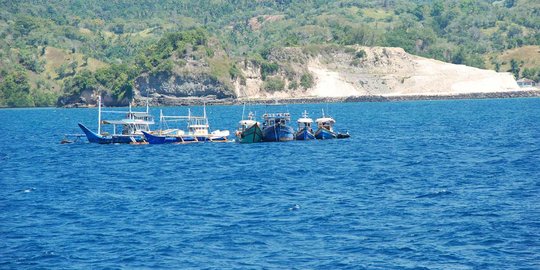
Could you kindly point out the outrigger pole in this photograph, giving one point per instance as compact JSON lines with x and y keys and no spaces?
{"x":99,"y":115}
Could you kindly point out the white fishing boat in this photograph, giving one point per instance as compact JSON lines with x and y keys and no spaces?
{"x":132,"y":126}
{"x":305,"y":130}
{"x":197,"y":130}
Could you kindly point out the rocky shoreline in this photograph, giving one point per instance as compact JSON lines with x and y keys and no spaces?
{"x":193,"y":101}
{"x":373,"y":98}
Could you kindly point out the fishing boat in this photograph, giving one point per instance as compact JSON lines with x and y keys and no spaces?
{"x":325,"y":128}
{"x":132,"y":126}
{"x":305,"y":131}
{"x":276,"y":127}
{"x":249,"y":130}
{"x":343,"y":134}
{"x":197,"y":130}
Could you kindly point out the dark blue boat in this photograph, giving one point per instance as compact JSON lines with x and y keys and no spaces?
{"x":276,"y":127}
{"x":165,"y":139}
{"x":197,"y":130}
{"x":325,"y":134}
{"x":161,"y":139}
{"x":132,"y":126}
{"x":325,"y":128}
{"x":108,"y":139}
{"x":305,"y":132}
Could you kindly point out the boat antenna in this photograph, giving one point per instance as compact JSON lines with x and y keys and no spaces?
{"x":243,"y":111}
{"x":327,"y":110}
{"x":204,"y":113}
{"x":160,"y":120}
{"x":99,"y":115}
{"x":147,"y":107}
{"x":204,"y":109}
{"x":189,"y":116}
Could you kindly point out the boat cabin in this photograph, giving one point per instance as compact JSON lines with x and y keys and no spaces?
{"x":134,"y":123}
{"x":245,"y":124}
{"x":326,"y":123}
{"x":305,"y":121}
{"x":198,"y":125}
{"x":271,"y":119}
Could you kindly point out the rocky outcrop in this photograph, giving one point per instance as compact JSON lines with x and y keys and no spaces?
{"x":89,"y":98}
{"x":165,"y":84}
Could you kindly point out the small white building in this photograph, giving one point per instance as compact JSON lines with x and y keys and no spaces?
{"x":526,"y":83}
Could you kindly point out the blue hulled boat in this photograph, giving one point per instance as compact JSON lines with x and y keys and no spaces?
{"x":197,"y":130}
{"x":276,"y":127}
{"x":132,"y":127}
{"x":305,"y":131}
{"x":325,"y":128}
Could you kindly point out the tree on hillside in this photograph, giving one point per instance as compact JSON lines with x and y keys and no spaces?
{"x":307,"y":81}
{"x":514,"y":68}
{"x":15,"y":89}
{"x":459,"y":57}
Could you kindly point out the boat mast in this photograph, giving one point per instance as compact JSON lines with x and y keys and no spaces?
{"x":204,"y":114}
{"x":99,"y":115}
{"x":243,"y":111}
{"x":160,"y":121}
{"x":189,"y":119}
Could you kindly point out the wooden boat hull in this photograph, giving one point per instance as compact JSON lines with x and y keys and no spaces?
{"x":97,"y":138}
{"x":167,"y":139}
{"x":304,"y":134}
{"x":278,"y":133}
{"x":211,"y":138}
{"x":253,"y":134}
{"x":325,"y":134}
{"x":157,"y":139}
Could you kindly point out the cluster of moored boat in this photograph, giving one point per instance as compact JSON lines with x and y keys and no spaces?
{"x":275,"y":127}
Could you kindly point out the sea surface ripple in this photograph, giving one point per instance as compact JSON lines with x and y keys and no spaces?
{"x":419,"y":185}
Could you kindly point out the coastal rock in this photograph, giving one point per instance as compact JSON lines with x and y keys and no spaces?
{"x":89,"y":98}
{"x":165,"y":86}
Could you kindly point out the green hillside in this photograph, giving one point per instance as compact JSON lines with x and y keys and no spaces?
{"x":50,"y":49}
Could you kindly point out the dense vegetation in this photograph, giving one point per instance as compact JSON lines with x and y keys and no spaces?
{"x":48,"y":49}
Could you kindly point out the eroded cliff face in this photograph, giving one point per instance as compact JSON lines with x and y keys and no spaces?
{"x":89,"y":98}
{"x":172,"y":85}
{"x":369,"y":71}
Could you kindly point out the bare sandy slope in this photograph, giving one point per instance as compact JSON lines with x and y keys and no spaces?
{"x":436,"y":77}
{"x":392,"y":71}
{"x":332,"y":84}
{"x":371,"y":71}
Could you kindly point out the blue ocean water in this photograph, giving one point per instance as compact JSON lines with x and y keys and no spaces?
{"x":419,"y":185}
